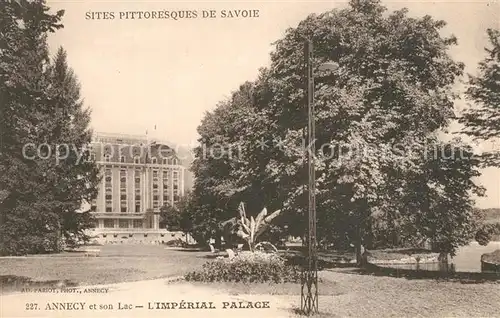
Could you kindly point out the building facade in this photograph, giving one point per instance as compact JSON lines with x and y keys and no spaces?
{"x":139,"y":176}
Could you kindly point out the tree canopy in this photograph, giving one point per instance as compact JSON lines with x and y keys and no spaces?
{"x":482,"y":119}
{"x":376,"y":121}
{"x":45,"y":174}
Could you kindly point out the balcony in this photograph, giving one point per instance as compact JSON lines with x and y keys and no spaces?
{"x":118,"y":230}
{"x":118,"y":215}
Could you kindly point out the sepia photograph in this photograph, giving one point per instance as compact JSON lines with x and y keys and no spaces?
{"x":269,"y":158}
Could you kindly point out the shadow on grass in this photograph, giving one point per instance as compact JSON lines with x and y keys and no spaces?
{"x":462,"y":277}
{"x":324,"y":261}
{"x":214,"y":255}
{"x":13,"y":283}
{"x":301,"y":313}
{"x":187,"y":249}
{"x":327,"y":288}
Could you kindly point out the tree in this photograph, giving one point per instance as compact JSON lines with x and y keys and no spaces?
{"x":77,"y":177}
{"x":482,"y":120}
{"x":392,"y":93}
{"x":40,"y":110}
{"x":170,"y":217}
{"x":178,"y":217}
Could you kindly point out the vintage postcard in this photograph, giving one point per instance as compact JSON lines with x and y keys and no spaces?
{"x":249,"y":158}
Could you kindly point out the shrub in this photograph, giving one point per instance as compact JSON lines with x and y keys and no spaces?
{"x":247,"y":267}
{"x":176,"y":243}
{"x":487,"y":233}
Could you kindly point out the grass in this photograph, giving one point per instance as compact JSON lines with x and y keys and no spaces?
{"x":343,"y":292}
{"x":372,"y":296}
{"x":328,"y":288}
{"x":116,"y":263}
{"x":346,"y":293}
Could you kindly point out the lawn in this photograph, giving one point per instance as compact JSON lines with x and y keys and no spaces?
{"x":343,"y":291}
{"x":379,"y":296}
{"x":116,"y":263}
{"x":347,"y":293}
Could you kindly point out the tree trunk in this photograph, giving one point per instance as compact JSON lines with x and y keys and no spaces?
{"x":360,"y":261}
{"x":443,"y":262}
{"x":251,"y":246}
{"x":218,"y":242}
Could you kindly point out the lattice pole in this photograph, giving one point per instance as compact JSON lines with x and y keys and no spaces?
{"x":309,"y":281}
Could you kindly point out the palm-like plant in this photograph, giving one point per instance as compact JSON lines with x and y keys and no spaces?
{"x":251,"y":229}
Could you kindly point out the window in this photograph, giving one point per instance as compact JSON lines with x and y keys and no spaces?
{"x":109,"y":223}
{"x":164,"y":161}
{"x":138,"y":224}
{"x":153,"y":160}
{"x":122,"y":159}
{"x":123,"y":224}
{"x":155,"y":186}
{"x":137,"y":160}
{"x":107,"y":158}
{"x":175,"y":161}
{"x":108,"y":187}
{"x":123,"y":190}
{"x":166,"y":186}
{"x":137,"y":187}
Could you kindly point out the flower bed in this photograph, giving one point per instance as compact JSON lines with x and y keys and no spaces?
{"x":400,"y":257}
{"x":247,"y":267}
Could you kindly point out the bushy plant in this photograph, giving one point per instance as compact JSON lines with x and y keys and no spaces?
{"x":176,"y":243}
{"x":247,"y":267}
{"x":251,"y":228}
{"x":487,"y":233}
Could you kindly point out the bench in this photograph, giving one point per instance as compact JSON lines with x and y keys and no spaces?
{"x":91,"y":252}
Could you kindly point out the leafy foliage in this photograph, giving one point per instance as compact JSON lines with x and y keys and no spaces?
{"x":482,"y":120}
{"x":376,"y":118}
{"x":176,"y":217}
{"x":250,"y":229}
{"x":247,"y":267}
{"x":41,"y":105}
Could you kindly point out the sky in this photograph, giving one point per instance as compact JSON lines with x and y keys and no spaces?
{"x":138,"y":74}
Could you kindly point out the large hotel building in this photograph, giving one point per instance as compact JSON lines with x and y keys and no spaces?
{"x":139,"y":176}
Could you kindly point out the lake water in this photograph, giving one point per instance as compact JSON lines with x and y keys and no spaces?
{"x":468,"y":258}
